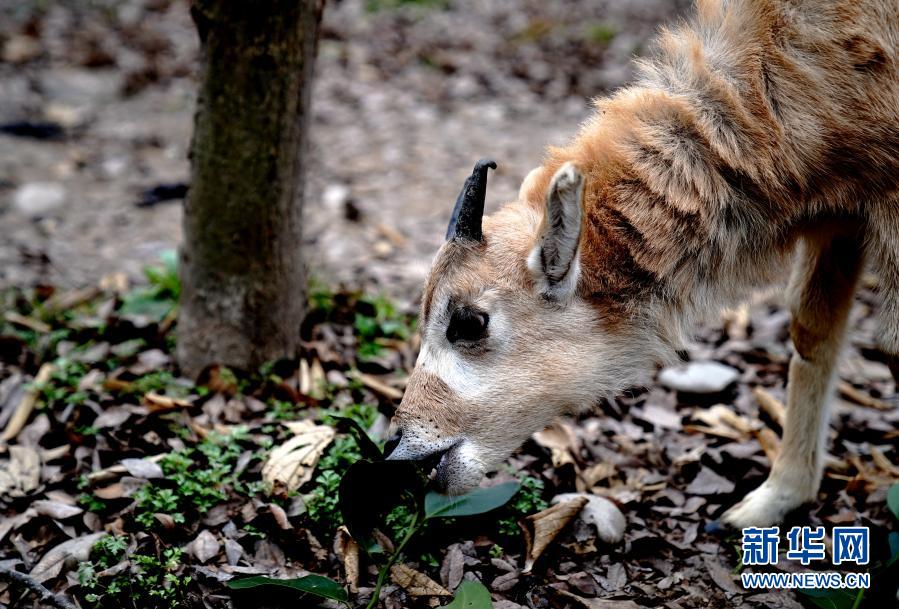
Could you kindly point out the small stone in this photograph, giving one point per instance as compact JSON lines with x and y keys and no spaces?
{"x":38,"y":198}
{"x":21,"y":49}
{"x":337,"y":379}
{"x":699,"y":377}
{"x":335,"y":196}
{"x":382,"y":248}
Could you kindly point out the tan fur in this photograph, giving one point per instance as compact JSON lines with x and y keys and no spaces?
{"x":759,"y":125}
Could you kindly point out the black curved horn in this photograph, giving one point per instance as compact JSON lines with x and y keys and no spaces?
{"x":468,"y":213}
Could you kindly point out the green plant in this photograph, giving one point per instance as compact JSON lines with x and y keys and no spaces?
{"x":152,"y":582}
{"x":385,"y":322}
{"x":63,"y":385}
{"x":471,"y":595}
{"x":281,"y":410}
{"x":601,"y":33}
{"x":158,"y":381}
{"x":321,"y":502}
{"x":158,"y":299}
{"x":374,"y":6}
{"x":837,"y":598}
{"x":370,"y":492}
{"x":363,"y":414}
{"x":528,"y":500}
{"x":321,"y":297}
{"x":192,"y":481}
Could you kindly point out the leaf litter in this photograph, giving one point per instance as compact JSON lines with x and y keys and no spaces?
{"x":117,"y":445}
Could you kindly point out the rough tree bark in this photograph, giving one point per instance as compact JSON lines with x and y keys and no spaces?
{"x":243,"y":280}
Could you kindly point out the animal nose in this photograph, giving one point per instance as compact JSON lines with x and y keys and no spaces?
{"x":393,"y":441}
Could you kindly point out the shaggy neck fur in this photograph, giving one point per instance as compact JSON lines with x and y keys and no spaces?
{"x":757,"y":119}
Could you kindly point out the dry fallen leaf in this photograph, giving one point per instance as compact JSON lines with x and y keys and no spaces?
{"x":233,"y":551}
{"x":415,"y":583}
{"x":143,"y":468}
{"x":541,"y":528}
{"x":21,"y":474}
{"x":74,"y":550}
{"x":205,"y":546}
{"x":599,"y":603}
{"x":561,"y":441}
{"x":604,"y":515}
{"x":280,"y":516}
{"x":291,"y":465}
{"x":56,"y":509}
{"x":707,"y":482}
{"x":347,"y":550}
{"x":723,"y":419}
{"x":453,"y":567}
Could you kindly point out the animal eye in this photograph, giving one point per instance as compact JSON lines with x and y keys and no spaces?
{"x":467,"y":325}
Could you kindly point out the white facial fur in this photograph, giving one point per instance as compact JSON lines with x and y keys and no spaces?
{"x":547,"y":351}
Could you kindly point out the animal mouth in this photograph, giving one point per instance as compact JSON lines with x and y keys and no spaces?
{"x":442,"y":474}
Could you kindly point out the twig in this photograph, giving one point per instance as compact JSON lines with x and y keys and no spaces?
{"x":862,"y":399}
{"x":26,"y":406}
{"x":769,"y":442}
{"x":771,"y":405}
{"x":380,"y":387}
{"x":45,"y":595}
{"x":26,"y":322}
{"x":385,"y":570}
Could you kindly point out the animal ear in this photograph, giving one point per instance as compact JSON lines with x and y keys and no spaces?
{"x":554,"y":259}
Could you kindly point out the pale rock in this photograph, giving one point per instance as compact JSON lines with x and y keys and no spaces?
{"x":38,"y":198}
{"x":699,"y":377}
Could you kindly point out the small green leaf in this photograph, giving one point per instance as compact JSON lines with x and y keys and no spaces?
{"x":370,"y":489}
{"x":311,"y":584}
{"x":471,"y":595}
{"x":893,"y":499}
{"x":477,"y":501}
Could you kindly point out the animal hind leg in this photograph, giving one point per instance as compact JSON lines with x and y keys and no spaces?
{"x":822,"y":288}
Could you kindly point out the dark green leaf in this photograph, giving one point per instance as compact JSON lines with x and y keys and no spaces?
{"x":477,"y":501}
{"x":311,"y":584}
{"x":145,"y":302}
{"x":471,"y":595}
{"x":370,"y":489}
{"x":893,"y":539}
{"x":893,"y":499}
{"x":368,"y":448}
{"x":832,"y":598}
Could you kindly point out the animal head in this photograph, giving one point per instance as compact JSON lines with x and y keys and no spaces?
{"x":508,"y":340}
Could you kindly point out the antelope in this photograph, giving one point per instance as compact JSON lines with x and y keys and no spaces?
{"x":760,"y":136}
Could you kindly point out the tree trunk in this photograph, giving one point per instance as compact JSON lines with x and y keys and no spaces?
{"x":242,"y":274}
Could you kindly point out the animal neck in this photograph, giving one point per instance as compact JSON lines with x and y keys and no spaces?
{"x":676,"y":224}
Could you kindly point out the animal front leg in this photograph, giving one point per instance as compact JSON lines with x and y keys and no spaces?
{"x":796,"y":473}
{"x":822,"y":286}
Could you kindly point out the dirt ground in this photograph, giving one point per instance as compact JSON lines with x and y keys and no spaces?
{"x":406,"y":99}
{"x":96,"y":104}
